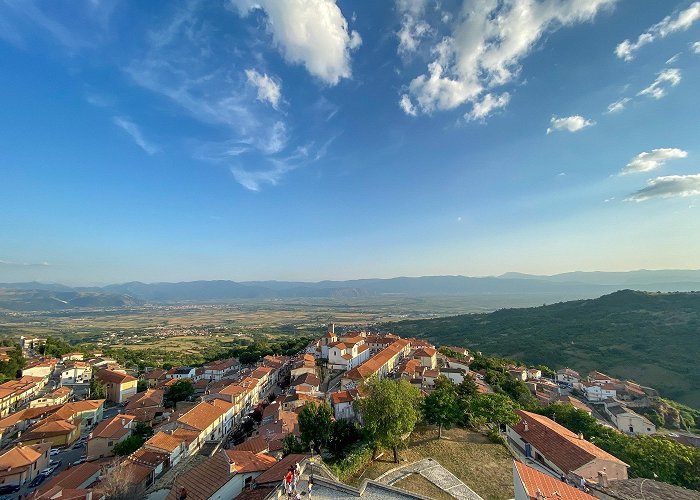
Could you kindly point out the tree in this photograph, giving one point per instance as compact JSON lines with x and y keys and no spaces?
{"x":467,"y":388}
{"x":97,"y":389}
{"x":441,"y":407}
{"x":344,"y":434}
{"x":15,"y":362}
{"x":128,"y":446}
{"x":491,"y":408}
{"x":142,"y":430}
{"x":120,"y":484}
{"x":292,"y":444}
{"x":315,"y":425}
{"x":179,"y":391}
{"x":390,"y":411}
{"x":141,"y":385}
{"x":55,"y":347}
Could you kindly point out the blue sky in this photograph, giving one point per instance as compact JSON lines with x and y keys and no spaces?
{"x":167,"y":141}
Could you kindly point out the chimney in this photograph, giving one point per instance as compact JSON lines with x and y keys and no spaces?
{"x":526,"y":426}
{"x":539,"y":495}
{"x":331,"y":328}
{"x":603,"y":479}
{"x":580,"y":435}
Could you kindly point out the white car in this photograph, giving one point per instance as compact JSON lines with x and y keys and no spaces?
{"x":54,"y":452}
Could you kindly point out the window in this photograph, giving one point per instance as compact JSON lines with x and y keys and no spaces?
{"x":110,"y":443}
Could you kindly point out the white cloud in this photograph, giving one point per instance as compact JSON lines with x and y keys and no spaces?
{"x":673,"y":59}
{"x":311,"y":32}
{"x":667,"y":78}
{"x":9,"y":263}
{"x":569,"y":123}
{"x":647,"y":161}
{"x":268,"y":89}
{"x":413,"y":29}
{"x":483,"y":108}
{"x":484,"y":49}
{"x":681,"y":21}
{"x":695,"y":47}
{"x":135,"y":132}
{"x":407,"y":106}
{"x":618,"y":106}
{"x":669,"y":186}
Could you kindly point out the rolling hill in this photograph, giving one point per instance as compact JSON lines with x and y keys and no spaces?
{"x":652,"y":338}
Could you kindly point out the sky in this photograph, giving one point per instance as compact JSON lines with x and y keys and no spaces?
{"x":315,"y":139}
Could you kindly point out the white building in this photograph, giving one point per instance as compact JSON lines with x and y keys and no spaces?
{"x":628,"y":421}
{"x":76,"y":373}
{"x":348,"y":353}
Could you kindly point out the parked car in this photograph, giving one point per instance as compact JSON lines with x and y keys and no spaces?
{"x":79,"y":444}
{"x":46,"y":472}
{"x":54,"y":452}
{"x":55,"y":463}
{"x":81,"y":460}
{"x":8,"y":488}
{"x":37,"y":480}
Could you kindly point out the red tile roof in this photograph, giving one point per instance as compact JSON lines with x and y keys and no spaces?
{"x":256,"y":444}
{"x":247,"y":461}
{"x":113,"y":377}
{"x":558,"y":444}
{"x":164,"y":441}
{"x":375,"y":363}
{"x":539,"y":486}
{"x":277,"y":472}
{"x":203,"y":480}
{"x":113,"y":428}
{"x":73,"y":477}
{"x":202,"y":415}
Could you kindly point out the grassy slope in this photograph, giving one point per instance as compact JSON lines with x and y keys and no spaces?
{"x":483,"y":466}
{"x":653,"y":339}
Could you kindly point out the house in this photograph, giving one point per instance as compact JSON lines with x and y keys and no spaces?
{"x":22,"y":463}
{"x":456,"y":375}
{"x":291,"y":402}
{"x":305,"y":364}
{"x":15,"y":393}
{"x":576,"y":403}
{"x":378,"y":343}
{"x":73,"y":478}
{"x":55,"y":430}
{"x":119,"y":386}
{"x":42,"y":368}
{"x":598,"y":392}
{"x":88,"y":411}
{"x":226,"y":368}
{"x":164,"y":442}
{"x":155,"y":460}
{"x":306,"y":383}
{"x":31,"y":343}
{"x":459,"y":350}
{"x":427,"y":357}
{"x":429,"y":377}
{"x":457,"y":363}
{"x":531,"y":484}
{"x":154,"y":377}
{"x":147,"y":399}
{"x":557,"y":448}
{"x":534,"y":374}
{"x":76,"y":372}
{"x":267,"y":377}
{"x":410,"y":368}
{"x":212,"y":420}
{"x":222,"y":476}
{"x":596,"y":377}
{"x":629,"y":421}
{"x":107,"y":434}
{"x":348,"y":353}
{"x":57,"y":397}
{"x":379,"y":365}
{"x":342,"y":403}
{"x":181,"y":372}
{"x":22,"y":420}
{"x":568,"y":376}
{"x":518,"y":373}
{"x":325,"y":342}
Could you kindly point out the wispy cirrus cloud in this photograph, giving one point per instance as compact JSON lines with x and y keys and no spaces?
{"x":652,"y":160}
{"x":679,"y":21}
{"x":695,"y":47}
{"x":268,"y":89}
{"x":134,"y":132}
{"x":9,"y":263}
{"x":667,"y":78}
{"x":569,"y":123}
{"x":670,"y":186}
{"x":618,"y":105}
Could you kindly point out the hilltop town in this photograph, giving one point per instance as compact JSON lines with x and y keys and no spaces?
{"x":88,"y":428}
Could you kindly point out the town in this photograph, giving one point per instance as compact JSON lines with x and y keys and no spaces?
{"x":88,"y":428}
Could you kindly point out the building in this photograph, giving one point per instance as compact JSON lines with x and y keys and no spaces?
{"x":119,"y":386}
{"x":348,"y":353}
{"x":427,"y":357}
{"x":76,"y":372}
{"x":14,"y":393}
{"x":557,"y":448}
{"x":73,"y":478}
{"x":107,"y":434}
{"x":73,"y":356}
{"x":531,"y":484}
{"x":60,"y":433}
{"x":342,"y":403}
{"x":629,"y":421}
{"x":57,"y":397}
{"x":30,"y":343}
{"x":176,"y":448}
{"x":379,"y":365}
{"x":568,"y":376}
{"x":227,"y":368}
{"x":306,"y":383}
{"x":42,"y":368}
{"x":181,"y":372}
{"x":598,"y":392}
{"x":212,"y":420}
{"x":154,"y":377}
{"x":20,"y":464}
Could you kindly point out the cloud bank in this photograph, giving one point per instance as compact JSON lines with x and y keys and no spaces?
{"x":669,"y":186}
{"x":656,"y":158}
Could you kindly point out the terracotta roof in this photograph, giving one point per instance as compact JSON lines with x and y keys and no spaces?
{"x":341,"y":397}
{"x":58,"y":492}
{"x":569,"y":372}
{"x":277,"y":472}
{"x":148,"y":457}
{"x":48,"y":428}
{"x":232,"y":390}
{"x":22,"y":456}
{"x":539,"y":486}
{"x":164,"y":441}
{"x":247,"y":461}
{"x":425,"y":352}
{"x":202,"y":415}
{"x":155,"y":374}
{"x":307,"y":378}
{"x":576,"y":403}
{"x":85,"y":405}
{"x":137,"y":472}
{"x":150,"y":397}
{"x":558,"y":444}
{"x":73,"y":477}
{"x":186,"y":435}
{"x":375,"y":363}
{"x":113,"y":428}
{"x":203,"y":480}
{"x":596,"y":375}
{"x":113,"y":377}
{"x":256,"y":444}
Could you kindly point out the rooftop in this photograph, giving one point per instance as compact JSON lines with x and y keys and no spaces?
{"x":539,"y":486}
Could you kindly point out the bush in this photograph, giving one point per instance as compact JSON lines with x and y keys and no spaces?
{"x":355,"y":460}
{"x":495,"y":437}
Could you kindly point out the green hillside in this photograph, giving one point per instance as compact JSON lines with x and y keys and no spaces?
{"x":651,"y":338}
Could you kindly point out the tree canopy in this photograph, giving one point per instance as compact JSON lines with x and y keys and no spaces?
{"x":442,"y":406}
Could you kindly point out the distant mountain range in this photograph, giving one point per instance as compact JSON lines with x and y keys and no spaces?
{"x":557,"y":287}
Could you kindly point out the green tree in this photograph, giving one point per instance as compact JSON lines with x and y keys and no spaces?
{"x":315,"y":425}
{"x":141,"y":385}
{"x":9,"y":369}
{"x":128,"y":446}
{"x":344,"y":434}
{"x":292,"y":444}
{"x":494,"y":408}
{"x":390,"y":411}
{"x":441,"y":407}
{"x":97,"y":389}
{"x":467,"y":388}
{"x":179,"y":391}
{"x":144,"y":431}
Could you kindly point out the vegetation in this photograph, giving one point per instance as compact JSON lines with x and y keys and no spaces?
{"x":139,"y":435}
{"x":55,"y":347}
{"x":647,"y":456}
{"x":181,"y":390}
{"x":390,"y":410}
{"x":442,"y":406}
{"x":10,"y":368}
{"x":315,"y":425}
{"x":97,"y":389}
{"x":647,"y":337}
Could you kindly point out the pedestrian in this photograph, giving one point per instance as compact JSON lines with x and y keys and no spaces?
{"x":310,"y":485}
